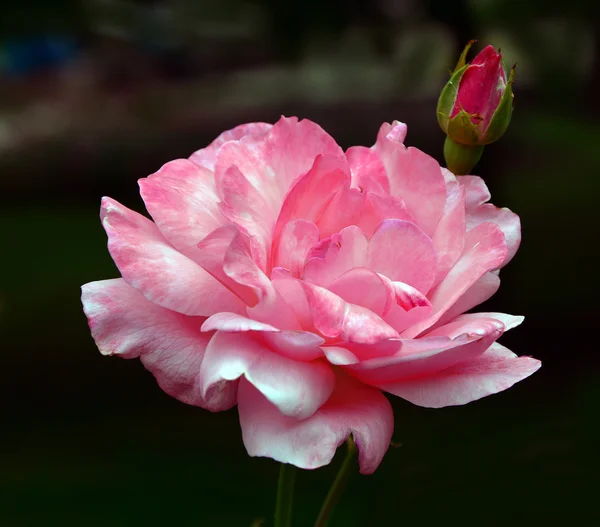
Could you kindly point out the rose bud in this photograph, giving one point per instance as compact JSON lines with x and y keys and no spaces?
{"x":475,"y":107}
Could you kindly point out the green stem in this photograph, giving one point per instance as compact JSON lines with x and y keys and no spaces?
{"x":460,"y":159}
{"x":338,"y":486}
{"x":285,"y":495}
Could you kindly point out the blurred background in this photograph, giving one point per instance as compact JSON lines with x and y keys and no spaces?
{"x":95,"y":94}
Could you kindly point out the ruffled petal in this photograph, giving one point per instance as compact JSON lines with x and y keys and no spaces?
{"x":491,"y":372}
{"x":296,"y":240}
{"x":311,"y":443}
{"x":182,"y":200}
{"x":169,"y":344}
{"x":207,"y":157}
{"x":413,"y":175}
{"x":335,"y":318}
{"x":227,"y":255}
{"x":429,"y":355}
{"x":404,"y":253}
{"x":484,"y":250}
{"x":153,"y":267}
{"x":368,"y":172}
{"x":297,"y":345}
{"x":449,"y":236}
{"x":297,"y":389}
{"x":479,"y":211}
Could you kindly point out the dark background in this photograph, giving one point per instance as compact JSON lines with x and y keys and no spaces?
{"x":96,"y":94}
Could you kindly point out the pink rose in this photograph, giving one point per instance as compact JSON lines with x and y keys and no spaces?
{"x":301,"y":282}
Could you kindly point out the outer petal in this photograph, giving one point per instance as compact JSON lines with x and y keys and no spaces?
{"x":494,"y":371}
{"x":207,"y":157}
{"x":485,"y":249}
{"x":431,"y":354}
{"x":182,"y":199}
{"x":414,"y":176}
{"x":161,"y":273}
{"x":296,"y":388}
{"x":479,"y":211}
{"x":479,"y":292}
{"x":311,"y":443}
{"x":170,"y":345}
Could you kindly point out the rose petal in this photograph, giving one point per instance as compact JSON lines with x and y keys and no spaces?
{"x":368,"y":172}
{"x":402,"y":252}
{"x":431,"y":354}
{"x":311,"y":443}
{"x":333,"y":317}
{"x":484,"y":250}
{"x":491,"y":372}
{"x":449,"y":236}
{"x":182,"y":200}
{"x":207,"y":157}
{"x":415,"y":177}
{"x":153,"y":267}
{"x":296,"y":240}
{"x":169,"y":344}
{"x":296,"y":388}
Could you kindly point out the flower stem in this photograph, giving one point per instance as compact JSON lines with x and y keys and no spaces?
{"x":285,"y":495}
{"x":338,"y":486}
{"x":460,"y":159}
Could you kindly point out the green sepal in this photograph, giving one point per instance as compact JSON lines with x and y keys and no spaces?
{"x":448,"y":98}
{"x":462,"y":130}
{"x":501,"y":118}
{"x":462,"y":60}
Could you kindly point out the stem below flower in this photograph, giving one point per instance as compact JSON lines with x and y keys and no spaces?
{"x":338,"y":486}
{"x":285,"y":495}
{"x":460,"y":159}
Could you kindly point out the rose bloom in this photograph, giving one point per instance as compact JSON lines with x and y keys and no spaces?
{"x":301,"y":282}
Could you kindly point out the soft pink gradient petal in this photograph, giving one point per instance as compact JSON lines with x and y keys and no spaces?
{"x":311,"y":443}
{"x":449,"y":236}
{"x":225,"y":254}
{"x":335,"y":255}
{"x":156,"y":269}
{"x":296,"y":240}
{"x":243,"y":205}
{"x":479,"y":211}
{"x":182,"y":200}
{"x":207,"y":157}
{"x":479,"y":292}
{"x":297,"y":389}
{"x":368,"y":172}
{"x":364,"y":287}
{"x":408,"y":307}
{"x":291,"y":148}
{"x":297,"y":345}
{"x":169,"y":344}
{"x":491,"y":372}
{"x":415,"y":177}
{"x":404,"y":253}
{"x":335,"y":318}
{"x":484,"y":250}
{"x":431,"y":354}
{"x":365,"y":210}
{"x":311,"y":194}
